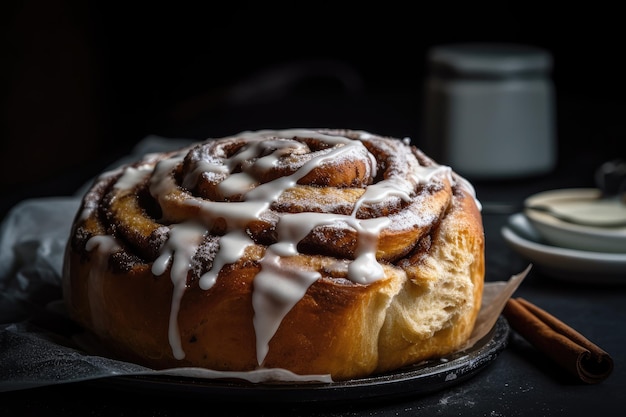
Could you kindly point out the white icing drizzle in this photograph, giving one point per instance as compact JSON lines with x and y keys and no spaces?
{"x":276,"y":290}
{"x":277,"y":287}
{"x":91,"y":203}
{"x":104,"y":246}
{"x":178,"y":251}
{"x":133,"y":176}
{"x":232,"y":247}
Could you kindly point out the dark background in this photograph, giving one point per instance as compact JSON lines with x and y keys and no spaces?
{"x":83,"y":81}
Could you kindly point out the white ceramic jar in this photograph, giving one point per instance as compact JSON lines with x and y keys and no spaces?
{"x":489,"y":110}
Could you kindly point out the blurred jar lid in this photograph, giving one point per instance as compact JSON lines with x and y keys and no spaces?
{"x":492,"y":60}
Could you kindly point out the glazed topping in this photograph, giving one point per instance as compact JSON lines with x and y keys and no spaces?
{"x":228,"y":184}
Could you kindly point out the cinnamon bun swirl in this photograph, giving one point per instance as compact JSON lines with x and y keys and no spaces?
{"x":319,"y":251}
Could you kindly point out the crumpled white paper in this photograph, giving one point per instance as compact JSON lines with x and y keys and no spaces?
{"x":37,"y":342}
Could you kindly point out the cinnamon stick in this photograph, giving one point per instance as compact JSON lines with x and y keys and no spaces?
{"x":564,"y":345}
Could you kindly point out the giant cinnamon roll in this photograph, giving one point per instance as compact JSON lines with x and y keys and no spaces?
{"x":319,"y":251}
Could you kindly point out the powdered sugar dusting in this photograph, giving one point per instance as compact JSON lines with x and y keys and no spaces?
{"x":248,"y":173}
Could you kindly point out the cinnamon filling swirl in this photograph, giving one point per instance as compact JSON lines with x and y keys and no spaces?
{"x":352,"y":202}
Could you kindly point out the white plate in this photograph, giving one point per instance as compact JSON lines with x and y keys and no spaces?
{"x":583,"y":205}
{"x":563,"y":263}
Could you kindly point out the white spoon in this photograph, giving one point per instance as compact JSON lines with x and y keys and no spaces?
{"x":601,"y":212}
{"x":607,"y":210}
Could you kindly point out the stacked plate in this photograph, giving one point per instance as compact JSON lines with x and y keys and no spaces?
{"x":573,"y":234}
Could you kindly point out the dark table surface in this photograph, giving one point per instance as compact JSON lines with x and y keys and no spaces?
{"x":520,"y":382}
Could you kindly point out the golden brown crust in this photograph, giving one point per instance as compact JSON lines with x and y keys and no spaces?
{"x":431,"y":253}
